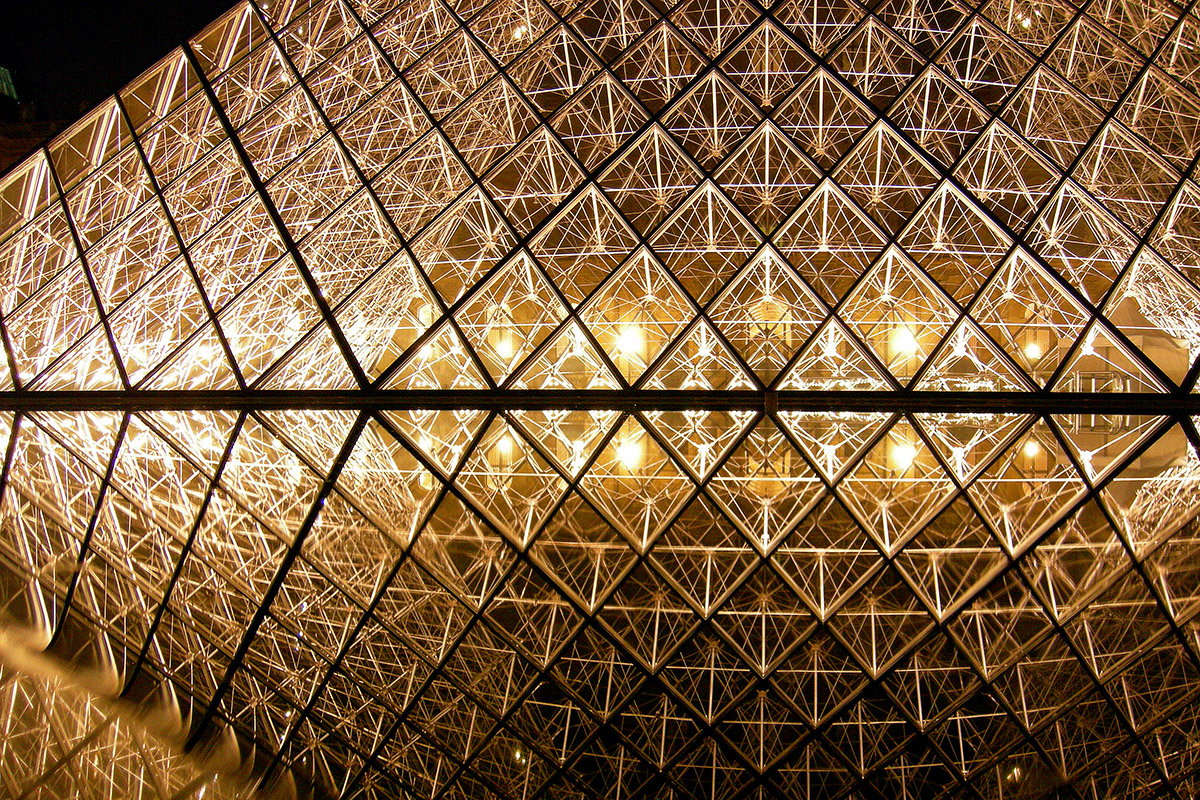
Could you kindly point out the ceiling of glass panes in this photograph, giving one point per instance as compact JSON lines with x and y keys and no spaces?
{"x":617,"y":399}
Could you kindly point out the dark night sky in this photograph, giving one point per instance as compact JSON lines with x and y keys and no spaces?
{"x":62,"y":53}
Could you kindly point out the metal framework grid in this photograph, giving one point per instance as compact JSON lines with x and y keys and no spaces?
{"x":610,"y":400}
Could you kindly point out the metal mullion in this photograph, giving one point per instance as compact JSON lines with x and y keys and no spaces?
{"x":101,"y":314}
{"x":915,"y":401}
{"x":85,"y":542}
{"x":185,"y":551}
{"x":436,"y":667}
{"x":183,"y":251}
{"x":358,"y":172}
{"x":1138,"y":564}
{"x":1056,"y":630}
{"x":293,"y":551}
{"x":1101,"y":689}
{"x":435,"y":125}
{"x":1069,"y":169}
{"x":947,"y":176}
{"x":281,"y":229}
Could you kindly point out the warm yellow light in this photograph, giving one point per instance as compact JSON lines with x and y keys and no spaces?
{"x":504,"y":446}
{"x":631,"y":340}
{"x":902,"y":455}
{"x":903,"y":341}
{"x":1031,"y":448}
{"x":519,"y":32}
{"x":629,"y":453}
{"x":504,"y":347}
{"x":1033,"y":351}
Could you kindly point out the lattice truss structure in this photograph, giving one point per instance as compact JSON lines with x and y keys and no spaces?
{"x":608,"y":400}
{"x":60,"y":741}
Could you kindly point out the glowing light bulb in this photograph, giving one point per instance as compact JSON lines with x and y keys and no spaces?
{"x":1031,"y":448}
{"x":629,"y":453}
{"x":504,"y":445}
{"x":903,"y":341}
{"x":1033,"y":351}
{"x":519,"y":32}
{"x":902,"y":455}
{"x":504,"y":347}
{"x":631,"y":340}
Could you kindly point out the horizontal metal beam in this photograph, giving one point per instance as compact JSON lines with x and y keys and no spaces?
{"x":619,"y":399}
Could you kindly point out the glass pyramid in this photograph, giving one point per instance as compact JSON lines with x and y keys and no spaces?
{"x":604,"y":399}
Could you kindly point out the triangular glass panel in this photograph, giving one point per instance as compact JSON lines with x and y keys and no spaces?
{"x":956,"y":243}
{"x":707,"y":675}
{"x":635,"y":482}
{"x":533,"y":180}
{"x":386,"y":315}
{"x":441,"y":436}
{"x":1080,"y":240}
{"x":824,"y":117}
{"x":569,"y":437}
{"x":1157,"y":492}
{"x":649,"y":178}
{"x":1051,"y":114}
{"x":1102,"y":364}
{"x":766,"y":64}
{"x":569,"y":360}
{"x":583,"y":244}
{"x":700,"y":439}
{"x":659,"y":66}
{"x":830,"y":241}
{"x":767,"y":176}
{"x":553,"y":70}
{"x":610,"y":27}
{"x":1105,"y":169}
{"x":510,"y":482}
{"x":940,"y":117}
{"x":886,"y":177}
{"x":882,"y":621}
{"x":1158,"y":312}
{"x":582,"y":552}
{"x":1027,"y":312}
{"x":704,"y":242}
{"x":765,"y":486}
{"x":986,"y":63}
{"x":699,"y":361}
{"x":636,"y":314}
{"x":600,"y":119}
{"x":835,"y":360}
{"x":899,"y":313}
{"x":462,"y":245}
{"x":966,"y":443}
{"x":833,"y":440}
{"x":951,"y":559}
{"x":765,"y":619}
{"x":819,"y":24}
{"x":820,"y":676}
{"x":766,"y":313}
{"x":648,"y":617}
{"x":711,"y":119}
{"x":441,"y":361}
{"x":509,"y":316}
{"x":876,"y":61}
{"x":702,"y":555}
{"x":1102,"y":443}
{"x":1006,"y":175}
{"x":1028,"y":488}
{"x":713,"y":25}
{"x":896,"y":487}
{"x":969,"y":362}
